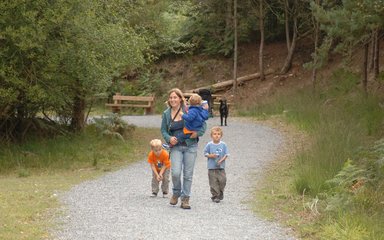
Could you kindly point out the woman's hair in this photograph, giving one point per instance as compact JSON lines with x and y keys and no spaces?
{"x":155,"y":143}
{"x":195,"y":100}
{"x":179,"y":93}
{"x":217,"y":129}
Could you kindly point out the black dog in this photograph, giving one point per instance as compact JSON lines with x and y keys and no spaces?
{"x":223,"y":111}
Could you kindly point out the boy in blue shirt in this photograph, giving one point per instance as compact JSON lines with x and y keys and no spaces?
{"x":217,"y":152}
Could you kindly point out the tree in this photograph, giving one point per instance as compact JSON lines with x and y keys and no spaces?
{"x":349,"y":24}
{"x":262,"y":39}
{"x":56,"y":55}
{"x":291,"y":45}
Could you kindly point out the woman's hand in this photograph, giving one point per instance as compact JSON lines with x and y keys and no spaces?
{"x":193,"y":135}
{"x":173,"y":140}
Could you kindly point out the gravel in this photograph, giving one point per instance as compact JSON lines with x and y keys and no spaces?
{"x":118,"y":205}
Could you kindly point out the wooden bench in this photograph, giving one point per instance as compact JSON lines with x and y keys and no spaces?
{"x":120,"y":101}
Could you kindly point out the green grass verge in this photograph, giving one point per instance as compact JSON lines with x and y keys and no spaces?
{"x":36,"y":171}
{"x":342,"y":125}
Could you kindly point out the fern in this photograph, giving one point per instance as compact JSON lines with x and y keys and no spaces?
{"x":113,"y":126}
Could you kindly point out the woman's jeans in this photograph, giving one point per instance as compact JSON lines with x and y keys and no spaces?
{"x":182,"y":160}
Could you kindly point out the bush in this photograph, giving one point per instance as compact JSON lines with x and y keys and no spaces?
{"x":113,"y":126}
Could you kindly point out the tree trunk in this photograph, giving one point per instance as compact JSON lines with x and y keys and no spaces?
{"x":228,"y":83}
{"x":287,"y":32}
{"x":228,"y":19}
{"x":78,"y":112}
{"x":376,"y":55}
{"x":314,"y":69}
{"x":235,"y":48}
{"x":365,"y":68}
{"x":372,"y":56}
{"x":261,"y":49}
{"x":288,"y":61}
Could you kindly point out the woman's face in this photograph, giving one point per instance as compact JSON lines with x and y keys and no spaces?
{"x":174,"y":100}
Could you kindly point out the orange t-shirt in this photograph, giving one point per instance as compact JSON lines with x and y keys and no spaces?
{"x":159,"y":161}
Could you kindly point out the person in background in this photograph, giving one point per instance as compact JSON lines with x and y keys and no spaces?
{"x":217,"y":153}
{"x":183,"y":153}
{"x":158,"y":158}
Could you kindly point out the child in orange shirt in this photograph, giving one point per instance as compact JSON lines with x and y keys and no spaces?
{"x":158,"y":158}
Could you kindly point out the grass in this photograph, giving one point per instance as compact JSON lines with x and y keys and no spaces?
{"x":340,"y":123}
{"x":32,"y":174}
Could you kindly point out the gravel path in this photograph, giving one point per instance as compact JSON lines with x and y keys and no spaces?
{"x":118,"y":205}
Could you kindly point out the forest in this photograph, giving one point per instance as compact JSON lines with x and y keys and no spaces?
{"x":58,"y":58}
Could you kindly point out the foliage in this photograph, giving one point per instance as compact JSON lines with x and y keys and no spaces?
{"x":342,"y":169}
{"x":113,"y":126}
{"x":349,"y":179}
{"x":209,"y":25}
{"x":348,"y":25}
{"x":57,"y":52}
{"x":29,"y":192}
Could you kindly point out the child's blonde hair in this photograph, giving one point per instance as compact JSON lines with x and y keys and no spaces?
{"x":217,"y":129}
{"x":195,"y":100}
{"x":155,"y":144}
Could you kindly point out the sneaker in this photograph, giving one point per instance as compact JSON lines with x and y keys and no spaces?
{"x":166,"y":146}
{"x":185,"y":203}
{"x":221,"y":196}
{"x":174,"y":200}
{"x":216,"y":200}
{"x":154,"y":194}
{"x":165,"y":194}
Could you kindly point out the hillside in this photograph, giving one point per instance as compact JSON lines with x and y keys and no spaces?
{"x":196,"y":71}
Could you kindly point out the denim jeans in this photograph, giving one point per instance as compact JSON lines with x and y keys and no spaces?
{"x":182,"y":160}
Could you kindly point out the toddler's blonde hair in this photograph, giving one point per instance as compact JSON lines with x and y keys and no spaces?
{"x":155,"y":143}
{"x":217,"y":129}
{"x":195,"y":100}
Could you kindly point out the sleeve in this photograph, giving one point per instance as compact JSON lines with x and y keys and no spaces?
{"x":150,"y":157}
{"x":206,"y":150}
{"x":226,"y":152}
{"x":164,"y":127}
{"x":205,"y":114}
{"x":166,"y":160}
{"x":190,"y":116}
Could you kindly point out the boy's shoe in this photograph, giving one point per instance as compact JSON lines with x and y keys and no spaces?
{"x":174,"y":199}
{"x":165,"y":194}
{"x":166,"y":146}
{"x":221,"y":196}
{"x":216,"y":200}
{"x":154,"y":194}
{"x":185,"y":203}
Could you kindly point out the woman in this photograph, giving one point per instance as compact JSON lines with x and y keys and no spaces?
{"x":183,"y":154}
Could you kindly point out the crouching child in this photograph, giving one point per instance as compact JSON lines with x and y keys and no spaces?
{"x":158,"y":158}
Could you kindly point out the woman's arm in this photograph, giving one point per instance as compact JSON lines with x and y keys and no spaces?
{"x":164,"y":127}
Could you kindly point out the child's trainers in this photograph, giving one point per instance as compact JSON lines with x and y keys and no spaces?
{"x":166,"y":146}
{"x":154,"y":194}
